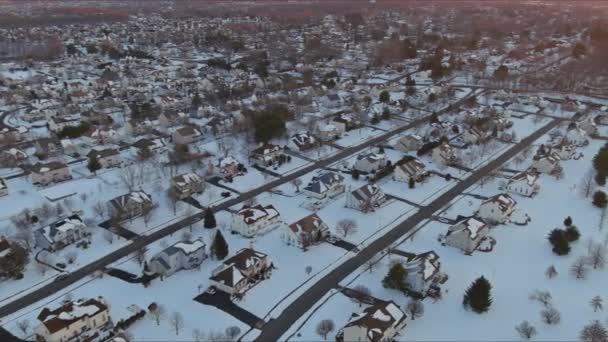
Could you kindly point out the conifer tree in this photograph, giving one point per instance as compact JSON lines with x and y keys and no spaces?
{"x":478,"y":296}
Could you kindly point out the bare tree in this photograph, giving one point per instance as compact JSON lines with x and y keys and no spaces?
{"x":308,"y":269}
{"x":70,"y":257}
{"x":361,"y":294}
{"x":597,"y":303}
{"x":177,"y":321}
{"x":597,"y":256}
{"x":108,"y":236}
{"x":551,"y":272}
{"x":346,"y":227}
{"x":296,"y":182}
{"x":594,"y":332}
{"x":128,"y":177}
{"x":325,"y":327}
{"x":100,"y":209}
{"x":43,"y":260}
{"x":148,"y":214}
{"x":24,"y":327}
{"x":415,"y":308}
{"x":550,"y":316}
{"x":525,"y":330}
{"x":140,"y":255}
{"x":198,"y":335}
{"x":173,"y":200}
{"x":216,"y":337}
{"x":579,"y":268}
{"x":587,"y":184}
{"x":157,"y":311}
{"x":543,"y":297}
{"x":232,"y":332}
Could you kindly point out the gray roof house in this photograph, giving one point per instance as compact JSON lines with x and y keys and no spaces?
{"x":60,"y":234}
{"x":182,"y":255}
{"x":327,"y":184}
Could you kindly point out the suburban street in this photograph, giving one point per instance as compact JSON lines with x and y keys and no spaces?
{"x":277,"y":327}
{"x":142,"y":241}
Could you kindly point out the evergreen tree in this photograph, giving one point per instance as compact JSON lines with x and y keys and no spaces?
{"x":395,"y":279}
{"x":412,"y":183}
{"x":600,"y":179}
{"x":559,"y":241}
{"x":599,"y":199}
{"x":385,"y":97}
{"x":219,"y":248}
{"x":478,"y":296}
{"x":209,"y":219}
{"x":572,"y":234}
{"x":93,"y":165}
{"x":196,"y":101}
{"x":355,"y":174}
{"x":568,"y":221}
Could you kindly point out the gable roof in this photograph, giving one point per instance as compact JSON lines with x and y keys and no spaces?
{"x":377,"y":319}
{"x":70,"y":312}
{"x":322,"y":183}
{"x":308,"y":224}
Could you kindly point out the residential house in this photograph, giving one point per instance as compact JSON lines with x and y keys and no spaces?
{"x":302,"y":141}
{"x":109,"y":157}
{"x":496,"y":209}
{"x":305,"y":232}
{"x":266,"y":155}
{"x":10,"y":135}
{"x":423,"y":271}
{"x":326,"y":185}
{"x":588,"y":125}
{"x":409,"y":168}
{"x":182,"y":255}
{"x":524,"y":183}
{"x":170,"y":118}
{"x":12,"y":157}
{"x":370,"y":162}
{"x":466,"y":234}
{"x":569,"y":106}
{"x":47,"y":147}
{"x":331,"y":101}
{"x":562,"y":151}
{"x":187,"y":184}
{"x":230,"y":168}
{"x":237,"y":273}
{"x":145,"y":145}
{"x":101,"y":136}
{"x":256,"y":220}
{"x":3,"y":187}
{"x":444,"y":154}
{"x":345,"y":122}
{"x":381,"y":321}
{"x":186,"y":135}
{"x":131,"y":205}
{"x":60,"y":233}
{"x":51,"y":172}
{"x":475,"y":135}
{"x":410,"y":142}
{"x":328,"y":131}
{"x":548,"y":164}
{"x":74,"y":321}
{"x":58,"y":123}
{"x":367,"y":198}
{"x":576,"y":136}
{"x":219,"y":124}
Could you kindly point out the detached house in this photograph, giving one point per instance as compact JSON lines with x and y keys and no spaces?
{"x":109,"y":157}
{"x":183,"y":255}
{"x":589,"y":126}
{"x":186,"y":135}
{"x":3,"y":187}
{"x":151,"y":145}
{"x":345,"y":122}
{"x":497,"y":209}
{"x":47,"y":147}
{"x":328,"y":131}
{"x":266,"y":155}
{"x":170,"y":118}
{"x":524,"y":183}
{"x":251,"y":221}
{"x":409,"y":168}
{"x":13,"y":157}
{"x":444,"y":154}
{"x":423,"y":271}
{"x":370,"y":162}
{"x":131,"y":205}
{"x":187,"y":184}
{"x":237,"y":273}
{"x":474,"y":135}
{"x":577,"y":136}
{"x":381,"y":321}
{"x":326,"y":185}
{"x":305,"y":232}
{"x":60,"y":234}
{"x":78,"y":320}
{"x":52,"y":172}
{"x":302,"y":141}
{"x":466,"y":234}
{"x":548,"y":164}
{"x":365,"y":199}
{"x":410,"y":142}
{"x":230,"y":168}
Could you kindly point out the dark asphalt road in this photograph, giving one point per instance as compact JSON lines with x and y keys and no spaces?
{"x":142,"y":241}
{"x":274,"y":329}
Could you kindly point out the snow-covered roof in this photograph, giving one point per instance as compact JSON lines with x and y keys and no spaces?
{"x":251,"y":215}
{"x":70,"y":312}
{"x":377,"y":319}
{"x":471,"y":225}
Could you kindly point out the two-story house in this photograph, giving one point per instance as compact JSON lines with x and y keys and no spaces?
{"x":467,"y":234}
{"x":524,"y":183}
{"x":365,"y":199}
{"x":305,"y":232}
{"x":370,"y":162}
{"x":409,"y":168}
{"x":186,"y":135}
{"x":252,"y":221}
{"x":266,"y":155}
{"x":381,"y":321}
{"x":130,"y":205}
{"x":444,"y":154}
{"x":236,"y":274}
{"x":187,"y":184}
{"x":51,"y":172}
{"x":496,"y":209}
{"x":182,"y":255}
{"x":326,"y":185}
{"x":108,"y":157}
{"x":61,"y":233}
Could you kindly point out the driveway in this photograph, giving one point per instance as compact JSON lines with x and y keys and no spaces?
{"x":221,"y":300}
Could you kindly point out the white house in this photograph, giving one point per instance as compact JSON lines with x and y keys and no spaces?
{"x":326,"y":185}
{"x":305,"y":232}
{"x":51,"y":172}
{"x":266,"y":155}
{"x":236,"y":273}
{"x":466,"y":234}
{"x":59,"y":234}
{"x":444,"y":154}
{"x":109,"y":157}
{"x":74,"y":321}
{"x":251,"y":221}
{"x":409,"y":168}
{"x":497,"y":209}
{"x":302,"y":141}
{"x":379,"y":322}
{"x":474,"y":135}
{"x":370,"y":162}
{"x":547,"y":164}
{"x":328,"y":131}
{"x":367,"y":198}
{"x":3,"y":187}
{"x":589,"y":126}
{"x":345,"y":122}
{"x":410,"y":142}
{"x":423,"y":270}
{"x":186,"y":135}
{"x":182,"y":255}
{"x":577,"y":136}
{"x":524,"y":183}
{"x":131,"y":205}
{"x":187,"y":184}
